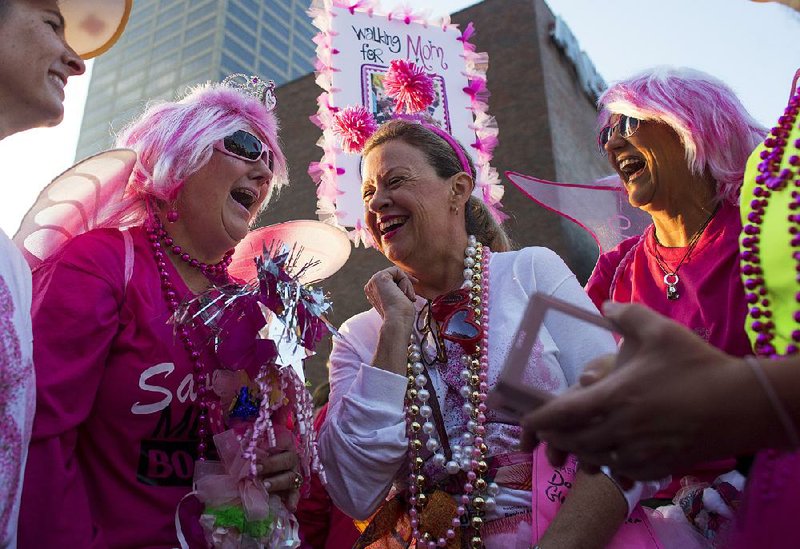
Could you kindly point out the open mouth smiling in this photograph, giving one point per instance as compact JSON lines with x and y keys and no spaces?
{"x":244,"y":196}
{"x":631,"y":167}
{"x":389,"y":224}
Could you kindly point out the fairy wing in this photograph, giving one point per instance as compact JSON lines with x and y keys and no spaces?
{"x":73,"y":203}
{"x":601,"y":207}
{"x":319,"y":249}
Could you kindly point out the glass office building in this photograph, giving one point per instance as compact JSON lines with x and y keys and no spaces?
{"x":169,"y":45}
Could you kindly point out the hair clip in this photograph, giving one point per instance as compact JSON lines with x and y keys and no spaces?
{"x":263,"y":90}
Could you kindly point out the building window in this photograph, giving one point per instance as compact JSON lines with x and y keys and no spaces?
{"x":233,"y":47}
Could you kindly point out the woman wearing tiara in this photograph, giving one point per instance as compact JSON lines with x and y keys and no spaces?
{"x":124,"y":403}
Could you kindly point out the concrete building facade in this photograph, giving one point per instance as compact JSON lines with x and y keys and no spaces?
{"x":172,"y":44}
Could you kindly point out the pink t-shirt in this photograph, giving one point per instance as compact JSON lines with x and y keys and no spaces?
{"x":114,"y":439}
{"x":711,"y":301}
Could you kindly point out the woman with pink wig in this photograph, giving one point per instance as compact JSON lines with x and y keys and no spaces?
{"x":124,"y":409}
{"x":679,"y":140}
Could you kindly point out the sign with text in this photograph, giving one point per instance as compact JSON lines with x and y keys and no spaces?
{"x":355,"y":49}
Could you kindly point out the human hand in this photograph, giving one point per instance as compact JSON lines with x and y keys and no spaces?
{"x":391,"y":292}
{"x":277,"y":469}
{"x":596,"y":370}
{"x":667,"y":405}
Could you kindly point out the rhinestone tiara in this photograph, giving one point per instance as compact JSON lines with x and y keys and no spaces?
{"x":263,"y":90}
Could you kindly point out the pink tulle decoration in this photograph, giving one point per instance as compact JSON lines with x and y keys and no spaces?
{"x":354,"y":125}
{"x":409,"y":86}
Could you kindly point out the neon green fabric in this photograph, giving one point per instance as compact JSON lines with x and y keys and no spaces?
{"x":775,"y":248}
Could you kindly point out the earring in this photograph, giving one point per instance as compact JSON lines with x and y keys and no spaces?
{"x":172,"y":216}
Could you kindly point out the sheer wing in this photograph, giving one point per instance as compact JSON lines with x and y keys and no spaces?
{"x":73,"y":203}
{"x":320,"y":249}
{"x":601,"y":207}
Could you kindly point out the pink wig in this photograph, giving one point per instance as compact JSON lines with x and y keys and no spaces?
{"x":173,"y":140}
{"x":716,"y":130}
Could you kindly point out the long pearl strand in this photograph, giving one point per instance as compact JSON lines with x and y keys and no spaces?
{"x":470,"y":455}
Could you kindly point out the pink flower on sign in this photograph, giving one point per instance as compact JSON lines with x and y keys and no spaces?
{"x":409,"y":86}
{"x":354,"y":125}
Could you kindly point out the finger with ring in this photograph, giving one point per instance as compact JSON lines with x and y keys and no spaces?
{"x":297,"y":482}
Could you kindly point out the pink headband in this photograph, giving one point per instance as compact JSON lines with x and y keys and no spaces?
{"x":454,"y":144}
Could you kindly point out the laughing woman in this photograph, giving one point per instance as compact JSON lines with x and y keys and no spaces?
{"x":679,"y":140}
{"x":435,"y":440}
{"x":123,"y":404}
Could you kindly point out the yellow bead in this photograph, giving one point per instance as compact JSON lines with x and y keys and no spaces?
{"x":422,"y":499}
{"x":476,"y":542}
{"x":478,"y":503}
{"x":419,"y":462}
{"x":480,"y":484}
{"x":412,"y":394}
{"x":416,"y":444}
{"x":415,"y":426}
{"x":477,"y":522}
{"x":482,"y":466}
{"x":413,"y":409}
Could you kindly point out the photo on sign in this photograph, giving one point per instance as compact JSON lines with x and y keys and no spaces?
{"x":382,"y":106}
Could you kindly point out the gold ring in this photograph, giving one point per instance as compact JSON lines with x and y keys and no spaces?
{"x":297,"y":481}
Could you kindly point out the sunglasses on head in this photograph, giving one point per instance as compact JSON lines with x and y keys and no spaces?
{"x":245,"y":146}
{"x":626,"y":125}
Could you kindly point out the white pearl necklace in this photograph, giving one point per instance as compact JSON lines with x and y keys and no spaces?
{"x":469,"y":456}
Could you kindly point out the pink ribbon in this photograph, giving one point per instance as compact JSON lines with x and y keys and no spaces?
{"x":229,"y":482}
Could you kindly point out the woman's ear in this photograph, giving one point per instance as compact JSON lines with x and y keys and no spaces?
{"x":461,"y":185}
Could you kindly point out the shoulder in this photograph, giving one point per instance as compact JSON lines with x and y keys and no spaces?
{"x":533,"y":269}
{"x":99,"y":253}
{"x":533,"y":257}
{"x":533,"y":261}
{"x":93,"y":246}
{"x":615,"y":255}
{"x":599,"y":284}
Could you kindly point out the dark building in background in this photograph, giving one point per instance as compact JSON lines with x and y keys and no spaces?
{"x":542,"y":97}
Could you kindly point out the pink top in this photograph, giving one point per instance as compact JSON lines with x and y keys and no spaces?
{"x":711,"y":301}
{"x":113,"y":442}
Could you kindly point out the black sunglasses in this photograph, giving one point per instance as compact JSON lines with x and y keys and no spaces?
{"x":245,"y":146}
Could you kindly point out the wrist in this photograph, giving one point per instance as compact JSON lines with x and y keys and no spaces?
{"x":393,"y":340}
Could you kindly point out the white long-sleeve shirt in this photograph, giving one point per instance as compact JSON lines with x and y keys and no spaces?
{"x":364,"y":443}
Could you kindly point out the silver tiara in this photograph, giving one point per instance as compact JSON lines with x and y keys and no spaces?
{"x":263,"y":90}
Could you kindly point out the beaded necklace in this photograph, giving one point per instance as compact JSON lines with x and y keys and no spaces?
{"x":770,"y":179}
{"x":217,"y":273}
{"x":468,"y":457}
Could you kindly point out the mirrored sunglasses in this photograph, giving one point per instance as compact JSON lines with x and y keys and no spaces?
{"x":626,"y":125}
{"x":245,"y":146}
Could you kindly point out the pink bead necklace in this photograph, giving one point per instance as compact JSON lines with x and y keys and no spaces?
{"x":217,"y":273}
{"x":770,"y":179}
